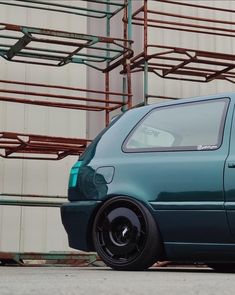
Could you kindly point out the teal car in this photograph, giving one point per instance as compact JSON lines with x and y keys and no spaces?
{"x":158,"y":184}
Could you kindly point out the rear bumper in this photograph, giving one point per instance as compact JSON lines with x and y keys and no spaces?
{"x":76,"y":218}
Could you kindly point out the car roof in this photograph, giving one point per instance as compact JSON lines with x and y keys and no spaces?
{"x":190,"y":99}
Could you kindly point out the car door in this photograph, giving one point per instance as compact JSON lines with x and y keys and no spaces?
{"x":230,"y":181}
{"x":183,"y":150}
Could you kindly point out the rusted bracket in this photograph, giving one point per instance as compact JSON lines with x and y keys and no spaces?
{"x":31,"y":146}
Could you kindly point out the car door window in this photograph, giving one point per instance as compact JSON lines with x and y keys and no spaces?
{"x":189,"y":126}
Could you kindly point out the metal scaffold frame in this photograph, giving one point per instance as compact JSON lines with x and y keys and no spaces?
{"x":111,"y":9}
{"x":39,"y":46}
{"x":182,"y":64}
{"x":45,"y":47}
{"x":54,"y":257}
{"x":31,"y":146}
{"x":31,"y":200}
{"x":15,"y":48}
{"x":186,"y":64}
{"x":79,"y":98}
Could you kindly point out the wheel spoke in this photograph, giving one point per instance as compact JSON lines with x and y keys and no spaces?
{"x":100,"y":228}
{"x":143,"y":232}
{"x":137,"y":248}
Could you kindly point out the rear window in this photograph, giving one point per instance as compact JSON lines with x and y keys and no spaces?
{"x":190,"y":126}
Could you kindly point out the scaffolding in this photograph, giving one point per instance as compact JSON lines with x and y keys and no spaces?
{"x":183,"y":64}
{"x":39,"y":147}
{"x":45,"y":47}
{"x":58,"y":258}
{"x":105,"y":53}
{"x":58,"y":99}
{"x":187,"y":64}
{"x":53,"y":48}
{"x":105,"y":8}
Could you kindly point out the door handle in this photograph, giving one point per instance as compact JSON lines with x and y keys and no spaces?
{"x":231,"y":165}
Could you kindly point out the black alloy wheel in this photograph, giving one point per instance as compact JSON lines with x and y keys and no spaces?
{"x":125,"y":235}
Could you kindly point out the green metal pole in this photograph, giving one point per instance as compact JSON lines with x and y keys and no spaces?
{"x":129,"y":25}
{"x":124,"y":89}
{"x":127,"y":35}
{"x":124,"y":79}
{"x":129,"y":9}
{"x":145,"y":83}
{"x":145,"y":53}
{"x":107,"y":88}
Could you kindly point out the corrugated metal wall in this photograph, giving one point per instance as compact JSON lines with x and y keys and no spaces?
{"x":38,"y":229}
{"x":34,"y":229}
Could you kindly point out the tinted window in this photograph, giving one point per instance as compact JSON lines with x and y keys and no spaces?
{"x":191,"y":126}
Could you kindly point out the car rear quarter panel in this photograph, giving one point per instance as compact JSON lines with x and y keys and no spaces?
{"x":184,"y":189}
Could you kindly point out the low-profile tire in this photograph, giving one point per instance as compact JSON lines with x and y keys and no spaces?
{"x":222,"y":267}
{"x":125,"y":235}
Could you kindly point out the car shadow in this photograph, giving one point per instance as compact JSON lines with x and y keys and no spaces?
{"x":180,"y":269}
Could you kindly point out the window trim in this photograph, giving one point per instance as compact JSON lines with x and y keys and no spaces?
{"x":125,"y":149}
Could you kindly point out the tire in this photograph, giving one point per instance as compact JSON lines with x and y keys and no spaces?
{"x":125,"y":235}
{"x":223,"y":267}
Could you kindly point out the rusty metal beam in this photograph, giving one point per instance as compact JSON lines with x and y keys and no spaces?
{"x":55,"y":197}
{"x":99,"y":12}
{"x":18,"y":46}
{"x":172,"y":62}
{"x":26,"y":203}
{"x":192,"y":5}
{"x":57,"y":104}
{"x":182,"y":16}
{"x":59,"y":99}
{"x":162,"y":97}
{"x":99,"y":57}
{"x":31,"y":146}
{"x":61,"y":257}
{"x":186,"y":28}
{"x":175,"y":68}
{"x":172,"y":21}
{"x":219,"y":73}
{"x":23,"y":83}
{"x":31,"y":200}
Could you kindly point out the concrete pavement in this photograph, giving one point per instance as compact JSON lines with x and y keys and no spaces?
{"x":97,"y":281}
